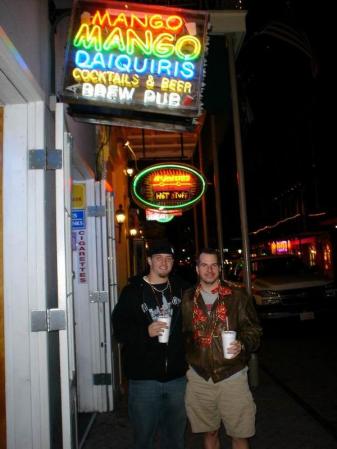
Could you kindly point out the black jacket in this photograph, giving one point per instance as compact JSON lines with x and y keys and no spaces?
{"x":144,"y":358}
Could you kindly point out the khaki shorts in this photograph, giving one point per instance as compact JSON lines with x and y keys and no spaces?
{"x":230,"y":401}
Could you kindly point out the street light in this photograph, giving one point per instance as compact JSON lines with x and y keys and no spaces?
{"x":133,"y":232}
{"x":129,"y":171}
{"x":120,"y":218}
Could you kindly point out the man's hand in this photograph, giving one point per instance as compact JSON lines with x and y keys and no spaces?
{"x":235,"y":348}
{"x":156,"y":328}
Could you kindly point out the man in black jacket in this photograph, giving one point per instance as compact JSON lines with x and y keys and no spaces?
{"x":155,"y":370}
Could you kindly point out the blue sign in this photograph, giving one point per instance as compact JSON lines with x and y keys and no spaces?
{"x":78,"y":219}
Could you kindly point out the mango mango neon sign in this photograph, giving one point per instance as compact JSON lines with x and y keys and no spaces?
{"x":136,"y":55}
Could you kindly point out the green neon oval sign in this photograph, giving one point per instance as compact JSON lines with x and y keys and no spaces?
{"x":168,"y":186}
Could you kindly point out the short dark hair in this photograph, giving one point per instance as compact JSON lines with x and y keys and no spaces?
{"x":212,"y":251}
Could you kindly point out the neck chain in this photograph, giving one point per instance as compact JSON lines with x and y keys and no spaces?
{"x":154,"y":290}
{"x":162,"y":290}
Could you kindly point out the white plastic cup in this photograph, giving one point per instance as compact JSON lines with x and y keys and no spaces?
{"x":165,"y":333}
{"x":227,"y":338}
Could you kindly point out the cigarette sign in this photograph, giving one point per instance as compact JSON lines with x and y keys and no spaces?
{"x":82,"y":263}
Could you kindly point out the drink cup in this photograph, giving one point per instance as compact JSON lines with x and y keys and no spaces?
{"x":227,"y":338}
{"x":165,"y":333}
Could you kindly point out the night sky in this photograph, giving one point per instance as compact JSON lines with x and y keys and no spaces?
{"x":283,"y":76}
{"x":283,"y":70}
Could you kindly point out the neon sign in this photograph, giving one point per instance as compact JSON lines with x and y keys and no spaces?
{"x":161,"y":217}
{"x":136,"y":57}
{"x":168,"y":187}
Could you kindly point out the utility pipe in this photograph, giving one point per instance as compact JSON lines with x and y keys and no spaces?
{"x":253,"y":361}
{"x":218,"y":208}
{"x":239,"y":167}
{"x":203,"y":199}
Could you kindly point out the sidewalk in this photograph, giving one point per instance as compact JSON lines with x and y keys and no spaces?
{"x":281,"y":424}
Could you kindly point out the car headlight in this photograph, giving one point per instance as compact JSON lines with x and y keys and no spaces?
{"x":267,"y":297}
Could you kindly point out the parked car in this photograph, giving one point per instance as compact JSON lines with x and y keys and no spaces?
{"x":283,"y":286}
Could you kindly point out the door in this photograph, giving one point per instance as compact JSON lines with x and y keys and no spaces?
{"x":102,"y":307}
{"x":65,"y":284}
{"x":113,"y":295}
{"x":94,"y":297}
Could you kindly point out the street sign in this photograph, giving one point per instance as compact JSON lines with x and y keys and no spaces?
{"x":78,"y":219}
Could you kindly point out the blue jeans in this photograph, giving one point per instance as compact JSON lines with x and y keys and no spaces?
{"x":158,"y":408}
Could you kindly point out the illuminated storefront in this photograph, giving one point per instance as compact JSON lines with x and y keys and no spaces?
{"x":315,"y":250}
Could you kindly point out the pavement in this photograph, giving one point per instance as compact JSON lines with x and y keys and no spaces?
{"x":282,"y":422}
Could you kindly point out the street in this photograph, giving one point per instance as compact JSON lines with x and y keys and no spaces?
{"x":296,"y":397}
{"x":302,"y":358}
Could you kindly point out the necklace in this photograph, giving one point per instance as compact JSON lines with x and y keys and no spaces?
{"x":162,"y":290}
{"x":163,"y":304}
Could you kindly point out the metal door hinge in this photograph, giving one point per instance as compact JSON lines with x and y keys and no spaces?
{"x":102,"y":379}
{"x":48,"y":320}
{"x":99,"y":296}
{"x":96,"y":211}
{"x":45,"y":159}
